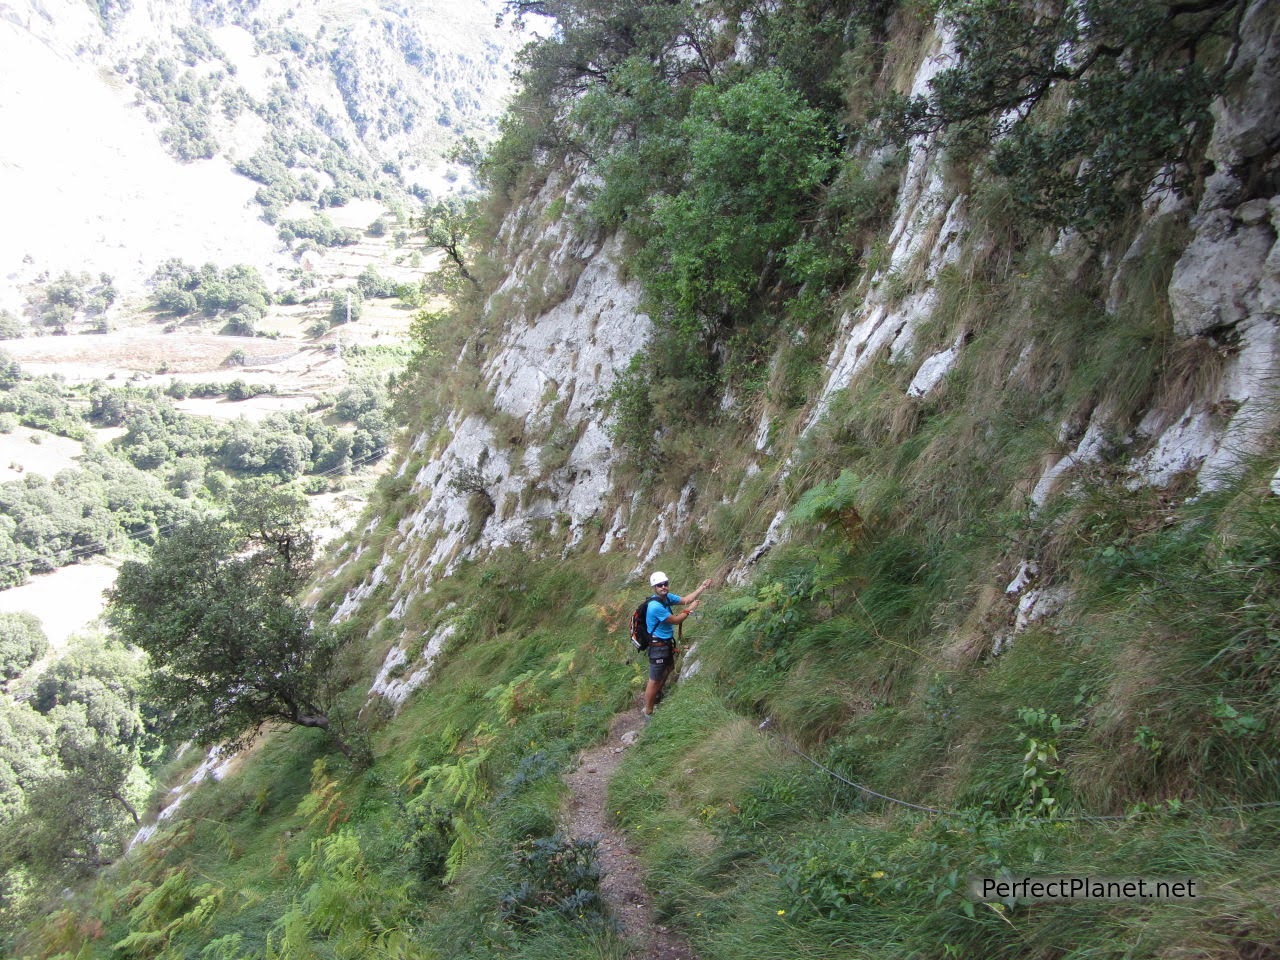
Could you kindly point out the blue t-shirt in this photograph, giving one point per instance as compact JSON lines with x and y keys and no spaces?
{"x":656,"y":618}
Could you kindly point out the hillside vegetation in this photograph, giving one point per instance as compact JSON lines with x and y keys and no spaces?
{"x":971,"y":618}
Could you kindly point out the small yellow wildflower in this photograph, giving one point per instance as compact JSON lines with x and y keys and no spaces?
{"x":877,"y":875}
{"x":782,"y":913}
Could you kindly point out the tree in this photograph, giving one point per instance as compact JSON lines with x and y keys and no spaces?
{"x":70,"y":774}
{"x":1089,"y":105}
{"x":26,"y":754}
{"x":374,"y":286}
{"x":347,"y":306}
{"x":215,"y":609}
{"x":22,"y":642}
{"x":72,"y":820}
{"x":448,"y":224}
{"x":11,"y":326}
{"x":100,"y":680}
{"x":757,"y":156}
{"x":359,"y":398}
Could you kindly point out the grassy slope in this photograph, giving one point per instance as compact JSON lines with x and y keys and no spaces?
{"x":868,"y":645}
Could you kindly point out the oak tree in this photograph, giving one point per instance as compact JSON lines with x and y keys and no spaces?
{"x":216,"y":610}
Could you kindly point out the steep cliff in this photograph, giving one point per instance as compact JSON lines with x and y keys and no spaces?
{"x":944,"y":339}
{"x":1209,"y":412}
{"x":985,"y":485}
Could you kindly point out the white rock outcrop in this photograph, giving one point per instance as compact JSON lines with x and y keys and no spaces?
{"x":549,"y":373}
{"x":576,"y":323}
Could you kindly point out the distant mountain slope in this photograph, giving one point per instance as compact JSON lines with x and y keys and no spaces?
{"x":121,"y":132}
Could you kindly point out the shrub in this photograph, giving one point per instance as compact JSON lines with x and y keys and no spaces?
{"x":22,"y":642}
{"x":347,"y":307}
{"x":557,"y":875}
{"x":631,"y":415}
{"x":373,"y":285}
{"x":11,"y":327}
{"x":757,"y":156}
{"x":1137,"y":82}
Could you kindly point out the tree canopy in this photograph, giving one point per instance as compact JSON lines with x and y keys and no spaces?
{"x":22,"y":642}
{"x":71,"y":781}
{"x":215,"y":609}
{"x":449,"y":224}
{"x":1138,"y":85}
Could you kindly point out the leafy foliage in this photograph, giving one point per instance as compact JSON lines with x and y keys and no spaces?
{"x":73,"y":296}
{"x":449,"y":225}
{"x":320,"y":229}
{"x":1136,"y":79}
{"x":22,"y":642}
{"x":70,"y":771}
{"x":176,"y":906}
{"x":38,"y":402}
{"x":186,"y":97}
{"x":181,"y":289}
{"x":556,"y":875}
{"x":757,"y":156}
{"x":159,"y":436}
{"x":45,"y":524}
{"x":26,"y":753}
{"x":712,"y":130}
{"x":632,"y":423}
{"x":215,"y":609}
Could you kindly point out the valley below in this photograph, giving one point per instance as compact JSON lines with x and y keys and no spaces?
{"x":299,"y":371}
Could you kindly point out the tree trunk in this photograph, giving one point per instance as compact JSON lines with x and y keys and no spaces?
{"x":321,"y":722}
{"x":127,"y":806}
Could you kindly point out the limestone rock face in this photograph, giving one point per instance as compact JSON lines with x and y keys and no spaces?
{"x":1226,"y":285}
{"x":552,"y":367}
{"x":1218,"y":282}
{"x":573,"y":323}
{"x":551,"y":377}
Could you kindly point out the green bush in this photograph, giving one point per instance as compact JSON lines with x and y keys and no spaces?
{"x":182,"y":290}
{"x":22,"y":643}
{"x":757,"y":156}
{"x":1081,"y":139}
{"x":11,"y":327}
{"x":556,"y":875}
{"x":346,"y":307}
{"x":320,"y":229}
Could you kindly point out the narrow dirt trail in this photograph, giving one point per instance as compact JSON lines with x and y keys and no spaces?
{"x":622,"y":879}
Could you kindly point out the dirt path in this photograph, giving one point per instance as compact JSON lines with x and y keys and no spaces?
{"x":622,"y":881}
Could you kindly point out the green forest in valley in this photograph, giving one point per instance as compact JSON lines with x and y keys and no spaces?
{"x":875,"y":707}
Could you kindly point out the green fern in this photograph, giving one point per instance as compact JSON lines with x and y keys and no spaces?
{"x":172,"y":908}
{"x":347,"y":906}
{"x":324,"y":807}
{"x":831,"y":503}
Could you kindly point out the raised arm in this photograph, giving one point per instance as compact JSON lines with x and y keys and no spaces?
{"x":693,"y":597}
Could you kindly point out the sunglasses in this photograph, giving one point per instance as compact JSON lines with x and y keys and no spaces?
{"x":662,"y":584}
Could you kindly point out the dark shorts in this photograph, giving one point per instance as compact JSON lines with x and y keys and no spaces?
{"x":661,"y":661}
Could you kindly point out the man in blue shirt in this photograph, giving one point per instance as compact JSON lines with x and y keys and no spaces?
{"x":661,"y":621}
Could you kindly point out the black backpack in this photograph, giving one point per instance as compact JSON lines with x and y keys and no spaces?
{"x":640,"y":636}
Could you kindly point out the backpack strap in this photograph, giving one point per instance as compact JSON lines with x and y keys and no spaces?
{"x":669,"y":606}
